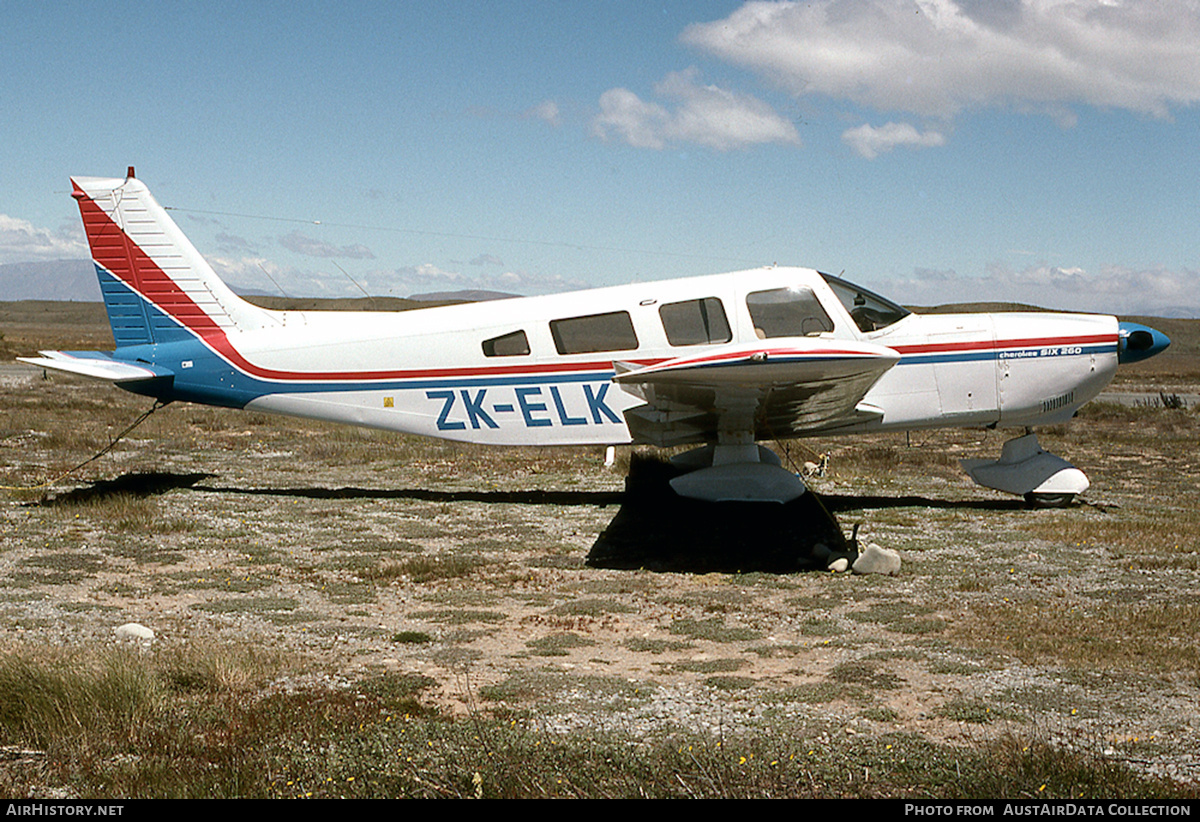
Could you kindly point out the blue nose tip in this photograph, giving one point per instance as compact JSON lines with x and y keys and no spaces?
{"x":1139,"y":342}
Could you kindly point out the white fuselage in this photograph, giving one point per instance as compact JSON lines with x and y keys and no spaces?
{"x":426,"y":371}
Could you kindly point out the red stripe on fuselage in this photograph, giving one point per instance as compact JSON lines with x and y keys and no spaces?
{"x":1003,"y":345}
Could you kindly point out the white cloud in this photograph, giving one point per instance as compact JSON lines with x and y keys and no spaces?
{"x":525,"y":282}
{"x":546,"y":111}
{"x":1154,"y":291}
{"x":250,"y":273}
{"x":487,"y":259}
{"x":703,"y":115}
{"x":429,"y":277}
{"x":257,"y":273}
{"x":937,"y":57}
{"x":870,"y":142}
{"x":233,"y":243}
{"x":21,"y":241}
{"x":261,"y":274}
{"x":264,"y":275}
{"x":428,"y":273}
{"x":309,"y":246}
{"x":640,"y":124}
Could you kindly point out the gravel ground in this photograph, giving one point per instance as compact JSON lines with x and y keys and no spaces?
{"x":362,"y":553}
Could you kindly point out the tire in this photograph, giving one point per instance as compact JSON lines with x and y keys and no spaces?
{"x":1049,"y":500}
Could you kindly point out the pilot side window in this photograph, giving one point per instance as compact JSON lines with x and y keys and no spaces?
{"x":870,"y":312}
{"x":787,"y":312}
{"x":695,"y":322}
{"x":515,"y":344}
{"x":595,"y":332}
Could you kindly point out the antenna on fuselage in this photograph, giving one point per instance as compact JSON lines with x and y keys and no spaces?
{"x":356,"y":285}
{"x":273,"y":280}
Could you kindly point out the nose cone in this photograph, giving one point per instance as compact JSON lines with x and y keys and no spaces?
{"x":1139,"y":342}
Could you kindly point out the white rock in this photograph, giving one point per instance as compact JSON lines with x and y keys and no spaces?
{"x":876,"y":560}
{"x":134,"y":632}
{"x":838,"y":565}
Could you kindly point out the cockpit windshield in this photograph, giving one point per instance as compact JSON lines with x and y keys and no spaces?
{"x":869,"y":311}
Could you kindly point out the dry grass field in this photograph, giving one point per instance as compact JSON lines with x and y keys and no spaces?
{"x":341,"y":612}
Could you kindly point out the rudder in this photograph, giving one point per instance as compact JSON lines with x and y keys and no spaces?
{"x":157,"y":288}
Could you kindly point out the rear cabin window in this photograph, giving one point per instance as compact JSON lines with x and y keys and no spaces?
{"x":787,"y":312}
{"x":695,"y":322}
{"x":595,"y":332}
{"x":515,"y":344}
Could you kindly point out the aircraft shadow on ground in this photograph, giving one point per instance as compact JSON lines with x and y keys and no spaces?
{"x":839,"y":503}
{"x":653,"y":528}
{"x":535,"y":496}
{"x":136,"y":484}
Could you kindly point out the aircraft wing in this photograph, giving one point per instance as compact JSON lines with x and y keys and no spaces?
{"x":783,"y":388}
{"x":97,"y":365}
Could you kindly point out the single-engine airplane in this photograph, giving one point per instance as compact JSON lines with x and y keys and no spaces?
{"x":720,"y":361}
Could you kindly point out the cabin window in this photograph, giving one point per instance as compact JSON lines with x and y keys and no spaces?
{"x":870,"y":312}
{"x":787,"y":312}
{"x":695,"y":322}
{"x":515,"y":344}
{"x":595,"y":332}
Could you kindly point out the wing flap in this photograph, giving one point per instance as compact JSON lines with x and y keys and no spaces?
{"x":787,"y":388}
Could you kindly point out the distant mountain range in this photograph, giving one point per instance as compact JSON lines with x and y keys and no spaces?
{"x":75,"y":280}
{"x":465,"y":296}
{"x":72,"y":280}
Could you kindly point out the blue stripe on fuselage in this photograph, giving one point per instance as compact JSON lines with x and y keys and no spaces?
{"x":1024,"y":353}
{"x":203,"y":376}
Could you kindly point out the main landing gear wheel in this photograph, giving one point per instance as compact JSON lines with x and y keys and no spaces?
{"x":1048,"y":500}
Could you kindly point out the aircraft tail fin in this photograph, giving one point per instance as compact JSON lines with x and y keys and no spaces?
{"x":157,"y":287}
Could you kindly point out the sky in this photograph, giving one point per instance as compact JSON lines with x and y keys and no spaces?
{"x":1041,"y":151}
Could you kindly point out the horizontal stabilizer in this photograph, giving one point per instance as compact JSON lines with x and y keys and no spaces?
{"x":97,"y":365}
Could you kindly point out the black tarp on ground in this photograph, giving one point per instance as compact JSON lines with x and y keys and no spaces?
{"x":659,"y":530}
